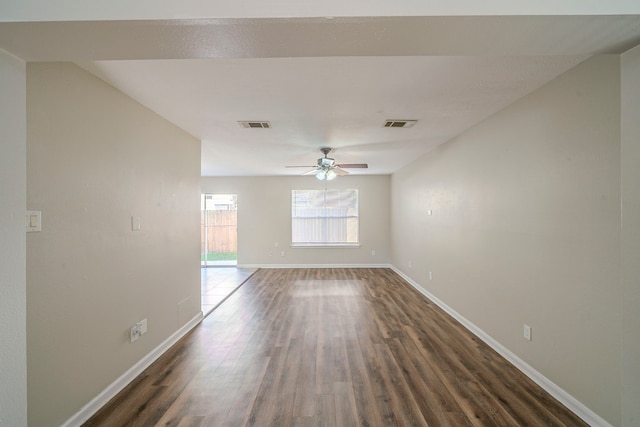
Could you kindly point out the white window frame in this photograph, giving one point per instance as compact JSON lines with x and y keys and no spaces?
{"x":320,"y":208}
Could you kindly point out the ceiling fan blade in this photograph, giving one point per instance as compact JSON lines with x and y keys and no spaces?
{"x":307,"y":166}
{"x":339,"y":171}
{"x":353,"y":165}
{"x":311,"y":172}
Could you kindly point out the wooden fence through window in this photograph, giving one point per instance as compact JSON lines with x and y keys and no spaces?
{"x":221,"y":231}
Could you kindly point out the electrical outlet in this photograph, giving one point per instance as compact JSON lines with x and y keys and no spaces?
{"x":138,"y":329}
{"x":143,"y":326}
{"x":527,"y":332}
{"x":373,"y":253}
{"x":135,"y":333}
{"x":282,"y":253}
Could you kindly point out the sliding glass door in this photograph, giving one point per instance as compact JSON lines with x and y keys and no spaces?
{"x":219,"y":230}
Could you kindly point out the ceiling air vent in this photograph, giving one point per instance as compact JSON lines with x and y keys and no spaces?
{"x":252,"y":124}
{"x":399,"y":123}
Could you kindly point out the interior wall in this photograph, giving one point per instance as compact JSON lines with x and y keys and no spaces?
{"x":525,"y":229}
{"x":95,"y":159}
{"x":13,"y":301}
{"x":264,"y":219}
{"x":630,"y":137}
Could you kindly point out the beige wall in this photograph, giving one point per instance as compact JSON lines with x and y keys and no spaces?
{"x":264,"y":218}
{"x":630,"y":137}
{"x":13,"y":301}
{"x":94,"y":159}
{"x":526,"y":230}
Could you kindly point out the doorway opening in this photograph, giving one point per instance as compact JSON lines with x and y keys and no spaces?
{"x":219,"y":230}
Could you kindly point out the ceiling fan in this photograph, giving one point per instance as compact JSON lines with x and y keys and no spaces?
{"x":327,"y":168}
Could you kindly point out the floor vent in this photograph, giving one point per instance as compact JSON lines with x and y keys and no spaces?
{"x":252,"y":124}
{"x":399,"y":123}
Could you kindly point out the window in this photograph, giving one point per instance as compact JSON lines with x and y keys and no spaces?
{"x":324,"y":218}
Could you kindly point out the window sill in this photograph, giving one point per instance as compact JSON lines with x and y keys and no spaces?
{"x":325,"y":246}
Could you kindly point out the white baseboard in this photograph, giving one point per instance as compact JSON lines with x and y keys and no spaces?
{"x":114,"y":388}
{"x":554,"y":390}
{"x":314,"y":266}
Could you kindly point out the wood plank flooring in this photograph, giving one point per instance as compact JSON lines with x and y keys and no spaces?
{"x":331,"y":347}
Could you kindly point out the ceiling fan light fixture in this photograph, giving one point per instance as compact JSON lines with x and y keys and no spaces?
{"x":321,"y":175}
{"x":326,"y":162}
{"x":327,"y":169}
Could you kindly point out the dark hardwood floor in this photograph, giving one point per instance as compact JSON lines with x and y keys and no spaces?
{"x":331,"y":347}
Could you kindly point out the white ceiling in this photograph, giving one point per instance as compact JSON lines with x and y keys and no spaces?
{"x":324,"y":81}
{"x":340,"y":102}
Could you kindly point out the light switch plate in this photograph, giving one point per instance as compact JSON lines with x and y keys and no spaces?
{"x":135,"y":223}
{"x":33,"y":221}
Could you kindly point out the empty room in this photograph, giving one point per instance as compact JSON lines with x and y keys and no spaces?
{"x":438,"y":215}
